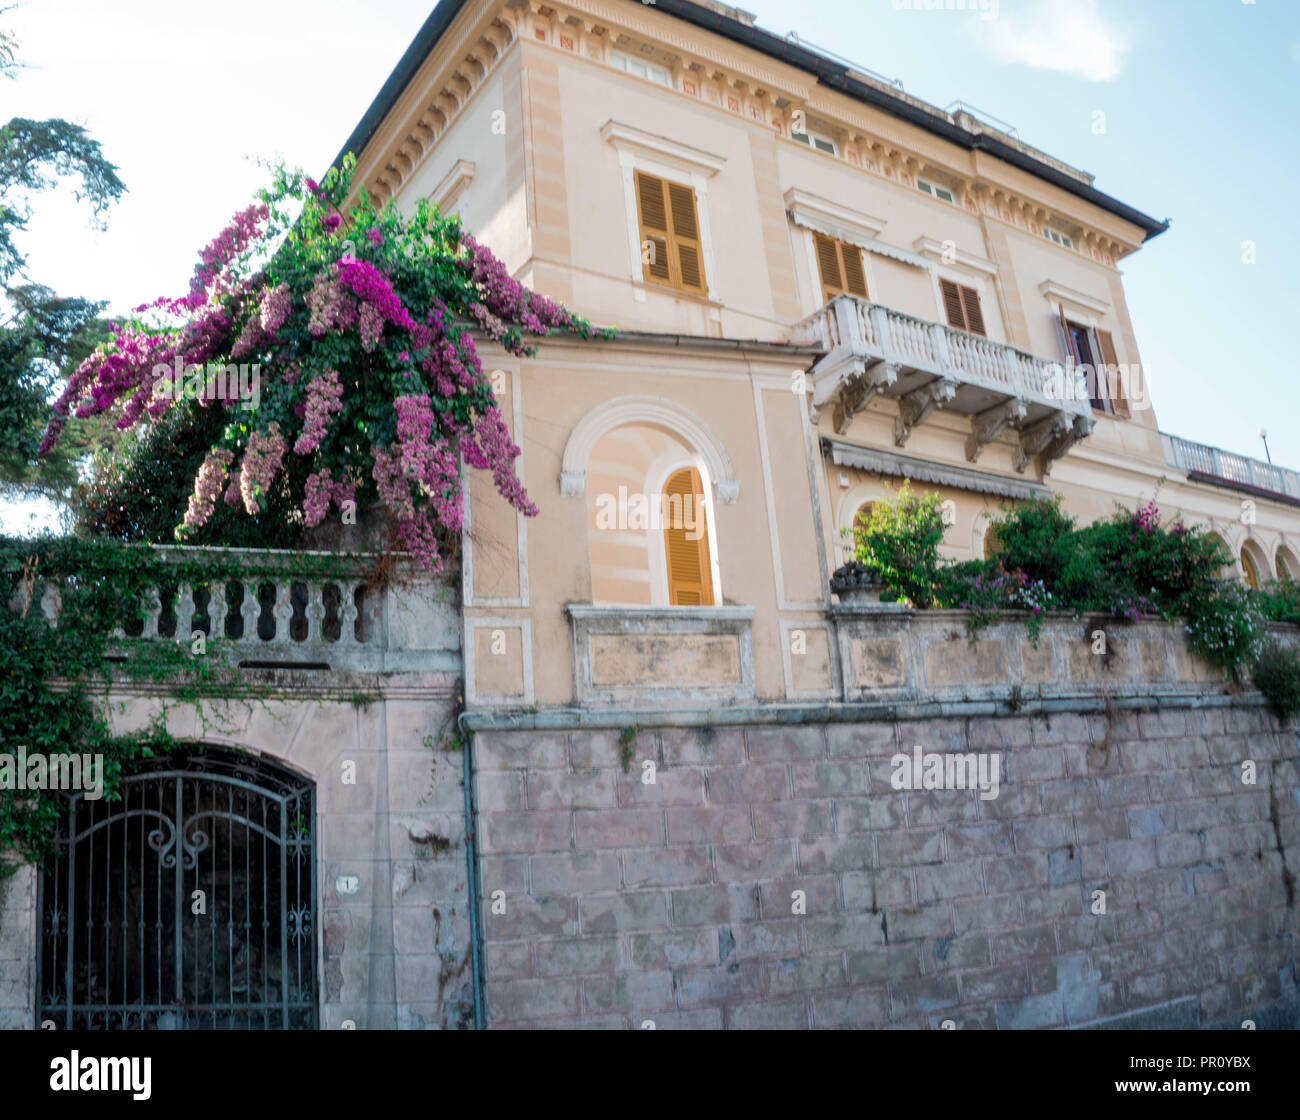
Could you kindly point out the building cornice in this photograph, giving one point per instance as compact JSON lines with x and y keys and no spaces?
{"x":771,"y":93}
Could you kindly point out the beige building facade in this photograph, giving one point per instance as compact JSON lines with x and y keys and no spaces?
{"x":821,"y":286}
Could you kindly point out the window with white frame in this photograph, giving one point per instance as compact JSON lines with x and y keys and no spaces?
{"x":818,"y":140}
{"x":943,"y":194}
{"x":641,"y":68}
{"x":1058,"y":238}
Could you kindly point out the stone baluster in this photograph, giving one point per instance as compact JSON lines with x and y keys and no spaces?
{"x":51,"y":604}
{"x":939,"y":345}
{"x":217,"y":610}
{"x":347,"y":613}
{"x":283,"y":612}
{"x":184,"y":612}
{"x":316,"y":612}
{"x":251,"y":609}
{"x":152,"y":612}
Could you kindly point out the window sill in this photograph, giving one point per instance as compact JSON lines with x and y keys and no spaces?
{"x":641,"y":287}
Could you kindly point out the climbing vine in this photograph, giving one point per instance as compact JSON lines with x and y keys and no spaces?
{"x":54,"y":671}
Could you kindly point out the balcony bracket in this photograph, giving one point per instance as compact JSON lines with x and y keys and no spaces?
{"x":857,"y":391}
{"x":1045,"y":442}
{"x":915,"y":406}
{"x":989,"y":424}
{"x":1077,"y":430}
{"x":1035,"y":439}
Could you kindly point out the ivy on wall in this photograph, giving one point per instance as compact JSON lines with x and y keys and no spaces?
{"x":53,"y":674}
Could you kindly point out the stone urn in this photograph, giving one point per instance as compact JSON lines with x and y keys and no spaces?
{"x":858,"y":585}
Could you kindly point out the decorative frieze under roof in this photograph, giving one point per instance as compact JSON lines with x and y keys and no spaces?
{"x":735,"y":80}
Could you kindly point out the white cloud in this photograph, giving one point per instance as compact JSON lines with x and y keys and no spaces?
{"x":1068,"y":36}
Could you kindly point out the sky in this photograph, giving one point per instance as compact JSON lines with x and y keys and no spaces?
{"x":1197,"y":101}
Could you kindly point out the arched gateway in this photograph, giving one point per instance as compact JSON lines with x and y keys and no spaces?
{"x":186,"y":903}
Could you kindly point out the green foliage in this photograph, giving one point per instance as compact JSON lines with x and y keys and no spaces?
{"x":43,"y":336}
{"x":899,"y":541}
{"x":627,"y":747}
{"x":1037,"y":538}
{"x":34,"y":156}
{"x":1277,"y":676}
{"x":137,"y":490}
{"x":986,"y":588}
{"x":1128,"y":565}
{"x":1280,"y":602}
{"x":43,"y":340}
{"x":1225,"y":627}
{"x":49,"y":675}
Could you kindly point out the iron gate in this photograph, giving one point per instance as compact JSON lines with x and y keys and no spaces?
{"x":186,"y":903}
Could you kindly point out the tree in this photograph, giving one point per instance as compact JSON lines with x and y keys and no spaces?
{"x":42,"y":335}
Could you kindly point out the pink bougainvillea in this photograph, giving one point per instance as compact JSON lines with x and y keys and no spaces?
{"x":260,"y":465}
{"x":354,"y":334}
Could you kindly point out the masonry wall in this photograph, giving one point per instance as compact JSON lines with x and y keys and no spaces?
{"x":390,"y":812}
{"x":626,"y":902}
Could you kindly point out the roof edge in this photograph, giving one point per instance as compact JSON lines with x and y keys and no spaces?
{"x":830,"y":73}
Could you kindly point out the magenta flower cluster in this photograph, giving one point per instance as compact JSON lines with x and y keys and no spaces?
{"x":444,"y":411}
{"x":324,"y":398}
{"x":208,"y":484}
{"x":260,"y":465}
{"x":319,"y":491}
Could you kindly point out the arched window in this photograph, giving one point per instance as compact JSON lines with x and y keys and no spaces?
{"x":686,"y":540}
{"x":1249,"y":570}
{"x":860,"y":518}
{"x":1287,"y":569}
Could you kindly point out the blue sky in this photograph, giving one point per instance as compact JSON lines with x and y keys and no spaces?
{"x":1198,"y":97}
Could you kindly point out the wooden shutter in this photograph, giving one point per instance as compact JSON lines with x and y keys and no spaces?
{"x":667,"y":217}
{"x":653,"y":215}
{"x":1114,"y":385}
{"x":828,"y":264}
{"x":952,"y":305}
{"x":962,"y":307}
{"x":855,"y":279}
{"x":1067,"y":343}
{"x":840,"y":267}
{"x":690,"y":578}
{"x":686,"y":237}
{"x":970,"y":299}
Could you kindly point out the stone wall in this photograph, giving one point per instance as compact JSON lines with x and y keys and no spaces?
{"x":390,"y":812}
{"x":676,"y":902}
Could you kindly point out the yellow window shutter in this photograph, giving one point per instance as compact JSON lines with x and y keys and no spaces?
{"x":690,"y":578}
{"x":974,"y":317}
{"x":828,"y":265}
{"x":653,"y":217}
{"x":1106,"y":344}
{"x":855,"y":280}
{"x":686,"y":237}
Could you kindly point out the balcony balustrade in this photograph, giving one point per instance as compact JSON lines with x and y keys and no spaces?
{"x":1210,"y":464}
{"x":924,"y":365}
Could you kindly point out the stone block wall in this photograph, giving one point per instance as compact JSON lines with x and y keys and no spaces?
{"x":773,"y":876}
{"x":390,"y":813}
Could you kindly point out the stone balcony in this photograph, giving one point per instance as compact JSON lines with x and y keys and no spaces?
{"x":1236,"y":472}
{"x":924,"y":365}
{"x":283,"y":614}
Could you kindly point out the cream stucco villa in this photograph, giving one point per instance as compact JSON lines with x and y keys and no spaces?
{"x":822,"y":285}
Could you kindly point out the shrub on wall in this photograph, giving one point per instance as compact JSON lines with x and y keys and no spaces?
{"x":899,"y":539}
{"x":1277,"y":676}
{"x":1280,"y":601}
{"x":1130,"y":565}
